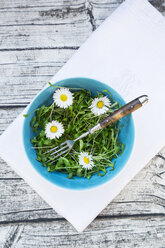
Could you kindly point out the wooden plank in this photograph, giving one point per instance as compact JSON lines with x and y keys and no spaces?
{"x":144,"y":195}
{"x":7,"y":115}
{"x":43,"y":37}
{"x":159,"y":5}
{"x":24,"y":73}
{"x":42,"y":28}
{"x":51,"y":13}
{"x":23,"y":4}
{"x":102,"y":9}
{"x":162,"y":153}
{"x":6,"y":171}
{"x":102,"y":233}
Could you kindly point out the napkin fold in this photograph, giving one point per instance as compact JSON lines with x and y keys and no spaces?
{"x":126,"y":52}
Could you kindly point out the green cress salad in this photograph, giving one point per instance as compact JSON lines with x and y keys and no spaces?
{"x":72,"y":112}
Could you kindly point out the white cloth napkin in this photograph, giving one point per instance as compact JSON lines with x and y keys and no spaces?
{"x":127,"y":52}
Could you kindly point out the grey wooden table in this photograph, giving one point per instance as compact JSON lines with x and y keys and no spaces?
{"x":36,"y":39}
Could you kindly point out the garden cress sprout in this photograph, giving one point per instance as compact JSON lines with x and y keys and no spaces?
{"x":94,"y":154}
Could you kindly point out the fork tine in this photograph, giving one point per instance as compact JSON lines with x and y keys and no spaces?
{"x":54,"y":148}
{"x":57,"y":151}
{"x":58,"y":155}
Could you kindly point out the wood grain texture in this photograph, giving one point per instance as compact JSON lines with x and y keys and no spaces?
{"x":102,"y":233}
{"x":26,"y":26}
{"x":25,"y":66}
{"x":36,"y":39}
{"x":144,"y":195}
{"x":24,"y":73}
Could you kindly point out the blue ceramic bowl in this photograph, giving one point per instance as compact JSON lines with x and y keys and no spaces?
{"x":126,"y":136}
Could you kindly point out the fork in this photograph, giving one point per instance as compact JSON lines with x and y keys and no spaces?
{"x":130,"y":107}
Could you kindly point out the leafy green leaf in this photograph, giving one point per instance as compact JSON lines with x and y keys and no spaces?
{"x":81,"y":144}
{"x":103,"y":145}
{"x":79,"y":172}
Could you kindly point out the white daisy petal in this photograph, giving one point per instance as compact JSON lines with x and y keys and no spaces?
{"x":86,"y":160}
{"x":63,"y":98}
{"x":100,"y":105}
{"x":54,"y":130}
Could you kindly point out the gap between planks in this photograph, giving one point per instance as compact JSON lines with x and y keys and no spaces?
{"x":99,"y":217}
{"x":39,"y":48}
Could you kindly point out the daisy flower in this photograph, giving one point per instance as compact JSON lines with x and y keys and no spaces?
{"x":54,"y":129}
{"x":63,"y":98}
{"x":86,"y":160}
{"x":100,"y":105}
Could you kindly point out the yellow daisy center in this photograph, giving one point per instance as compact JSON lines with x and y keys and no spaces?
{"x":100,"y":104}
{"x":86,"y":160}
{"x":53,"y":129}
{"x":63,"y":98}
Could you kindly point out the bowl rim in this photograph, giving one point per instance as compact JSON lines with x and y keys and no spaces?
{"x":91,"y":186}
